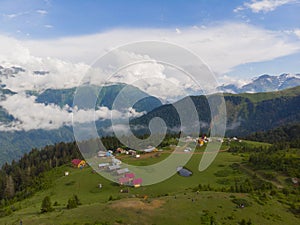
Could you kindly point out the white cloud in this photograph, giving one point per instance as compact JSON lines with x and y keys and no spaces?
{"x":222,"y":47}
{"x":48,"y":26}
{"x":29,"y":114}
{"x":297,"y":32}
{"x":42,"y":12}
{"x":15,"y":15}
{"x":238,"y":9}
{"x":265,"y":6}
{"x":233,"y":80}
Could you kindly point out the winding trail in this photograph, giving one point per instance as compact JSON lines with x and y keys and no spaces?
{"x":251,"y":172}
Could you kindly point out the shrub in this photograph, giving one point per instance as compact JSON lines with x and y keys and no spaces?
{"x":46,"y":205}
{"x":73,"y":202}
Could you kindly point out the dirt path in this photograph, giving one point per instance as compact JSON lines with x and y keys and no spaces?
{"x":137,"y":204}
{"x":251,"y":172}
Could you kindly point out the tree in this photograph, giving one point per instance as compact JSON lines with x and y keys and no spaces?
{"x":46,"y":205}
{"x":73,"y":202}
{"x":10,"y":187}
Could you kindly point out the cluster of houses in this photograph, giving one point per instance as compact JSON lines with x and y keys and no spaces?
{"x":113,"y":166}
{"x":200,"y":141}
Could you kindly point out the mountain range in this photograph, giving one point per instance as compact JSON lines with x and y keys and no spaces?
{"x":264,"y":83}
{"x":246,"y":112}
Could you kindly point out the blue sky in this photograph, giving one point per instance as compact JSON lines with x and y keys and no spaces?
{"x":68,"y":18}
{"x":35,"y":20}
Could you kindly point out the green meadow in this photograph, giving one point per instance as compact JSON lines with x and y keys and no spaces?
{"x":203,"y":198}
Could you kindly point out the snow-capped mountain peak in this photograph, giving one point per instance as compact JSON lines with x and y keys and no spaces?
{"x":264,"y":83}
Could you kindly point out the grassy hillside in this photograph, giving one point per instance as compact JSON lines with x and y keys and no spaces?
{"x":203,"y":198}
{"x":246,"y":113}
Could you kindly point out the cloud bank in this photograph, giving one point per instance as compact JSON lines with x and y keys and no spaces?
{"x":257,"y":6}
{"x":222,"y":47}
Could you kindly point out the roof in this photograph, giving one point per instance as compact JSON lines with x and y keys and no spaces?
{"x":116,"y":161}
{"x":137,"y":181}
{"x":76,"y":161}
{"x":123,"y":180}
{"x":114,"y":167}
{"x":295,"y":180}
{"x":151,"y":149}
{"x":130,"y":175}
{"x":103,"y":164}
{"x":121,"y":171}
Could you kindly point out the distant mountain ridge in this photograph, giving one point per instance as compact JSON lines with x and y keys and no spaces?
{"x":246,"y":113}
{"x":106,"y":97}
{"x":264,"y":83}
{"x":14,"y":144}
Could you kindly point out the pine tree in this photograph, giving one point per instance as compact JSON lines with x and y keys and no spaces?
{"x":10,"y":187}
{"x":46,"y":205}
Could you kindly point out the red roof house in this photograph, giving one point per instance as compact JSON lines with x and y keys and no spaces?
{"x":78,"y":163}
{"x":123,"y":180}
{"x":130,"y":175}
{"x":137,"y":182}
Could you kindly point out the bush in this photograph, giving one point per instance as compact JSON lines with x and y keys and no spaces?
{"x":46,"y":205}
{"x":55,"y":203}
{"x":222,"y":173}
{"x":73,"y":202}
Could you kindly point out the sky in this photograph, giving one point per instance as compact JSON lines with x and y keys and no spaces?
{"x":44,"y":21}
{"x":237,"y":40}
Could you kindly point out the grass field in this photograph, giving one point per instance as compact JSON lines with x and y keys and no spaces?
{"x":173,"y":201}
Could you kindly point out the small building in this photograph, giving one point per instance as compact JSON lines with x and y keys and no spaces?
{"x":120,"y":150}
{"x":122,"y":171}
{"x":188,"y":149}
{"x":137,"y":182}
{"x":114,"y":167}
{"x":116,"y":161}
{"x":78,"y":163}
{"x":150,"y":149}
{"x":103,"y":165}
{"x":123,"y":180}
{"x":200,"y":142}
{"x":295,"y":181}
{"x":130,"y":176}
{"x":131,"y":152}
{"x":101,"y":154}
